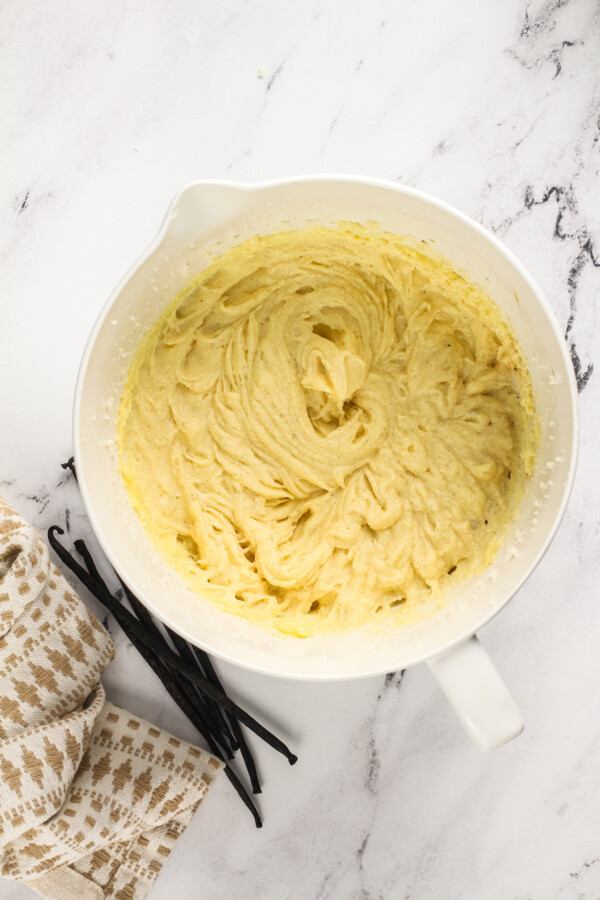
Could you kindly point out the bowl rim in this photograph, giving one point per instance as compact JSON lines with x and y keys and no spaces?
{"x":257,"y":187}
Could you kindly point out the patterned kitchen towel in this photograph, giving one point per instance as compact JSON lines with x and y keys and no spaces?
{"x":92,"y":798}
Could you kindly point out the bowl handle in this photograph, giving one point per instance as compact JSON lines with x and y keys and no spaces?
{"x":479,"y":697}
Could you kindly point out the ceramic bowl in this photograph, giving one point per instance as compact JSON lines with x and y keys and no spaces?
{"x":204,"y":220}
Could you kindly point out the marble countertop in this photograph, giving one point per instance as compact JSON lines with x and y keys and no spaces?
{"x":108,"y":109}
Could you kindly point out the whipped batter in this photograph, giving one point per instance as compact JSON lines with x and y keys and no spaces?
{"x":328,"y":428}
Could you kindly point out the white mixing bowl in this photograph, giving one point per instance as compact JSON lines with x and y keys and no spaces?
{"x":205,"y":219}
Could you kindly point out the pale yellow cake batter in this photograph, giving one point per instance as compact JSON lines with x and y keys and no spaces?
{"x":328,"y":427}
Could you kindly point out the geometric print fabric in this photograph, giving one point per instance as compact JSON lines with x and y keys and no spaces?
{"x":92,"y":798}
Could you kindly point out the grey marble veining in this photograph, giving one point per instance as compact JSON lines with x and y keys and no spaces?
{"x":108,"y":109}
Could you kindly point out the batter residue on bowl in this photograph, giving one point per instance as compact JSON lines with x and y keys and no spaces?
{"x":328,"y":427}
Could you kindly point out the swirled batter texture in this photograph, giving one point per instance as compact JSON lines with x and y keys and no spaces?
{"x":328,"y":427}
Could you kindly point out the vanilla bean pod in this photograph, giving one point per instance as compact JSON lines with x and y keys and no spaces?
{"x":70,"y":465}
{"x":204,"y":660}
{"x":183,"y":649}
{"x":203,"y":722}
{"x":168,"y":677}
{"x":190,"y":709}
{"x":162,"y":651}
{"x":213,"y":719}
{"x":208,"y":705}
{"x":181,"y":646}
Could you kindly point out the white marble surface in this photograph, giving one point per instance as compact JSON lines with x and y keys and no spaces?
{"x":108,"y":109}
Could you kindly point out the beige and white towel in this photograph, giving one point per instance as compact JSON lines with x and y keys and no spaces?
{"x":92,"y":798}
